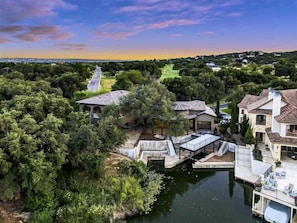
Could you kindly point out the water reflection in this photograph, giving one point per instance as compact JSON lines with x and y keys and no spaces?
{"x":201,"y":196}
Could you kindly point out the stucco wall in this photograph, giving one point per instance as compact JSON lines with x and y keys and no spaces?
{"x":259,"y":128}
{"x":206,"y":118}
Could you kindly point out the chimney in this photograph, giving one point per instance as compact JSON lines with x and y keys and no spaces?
{"x":276,"y":109}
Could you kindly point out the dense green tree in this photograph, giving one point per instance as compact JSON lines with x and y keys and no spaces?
{"x":228,"y":76}
{"x":213,"y":84}
{"x":126,"y":79}
{"x":111,"y":134}
{"x":267,"y":70}
{"x":40,"y":104}
{"x":149,"y":69}
{"x":286,"y":68}
{"x":69,"y":83}
{"x":186,"y":88}
{"x":148,"y":102}
{"x":31,"y":153}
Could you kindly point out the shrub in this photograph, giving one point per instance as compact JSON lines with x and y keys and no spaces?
{"x":43,"y":216}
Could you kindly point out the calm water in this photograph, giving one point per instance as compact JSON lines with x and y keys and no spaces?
{"x":201,"y":196}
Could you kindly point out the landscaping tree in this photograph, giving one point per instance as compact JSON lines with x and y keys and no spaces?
{"x":248,"y":137}
{"x":234,"y":117}
{"x":218,"y":109}
{"x":244,"y":125}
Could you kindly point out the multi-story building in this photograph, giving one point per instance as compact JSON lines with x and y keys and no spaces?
{"x":273,"y":117}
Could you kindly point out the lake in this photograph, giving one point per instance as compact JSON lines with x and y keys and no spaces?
{"x":201,"y":196}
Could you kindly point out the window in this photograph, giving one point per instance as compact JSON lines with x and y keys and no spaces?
{"x":260,"y":120}
{"x":242,"y":111}
{"x":292,"y":130}
{"x":203,"y":125}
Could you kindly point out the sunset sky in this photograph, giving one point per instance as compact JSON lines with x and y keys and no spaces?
{"x":144,"y":29}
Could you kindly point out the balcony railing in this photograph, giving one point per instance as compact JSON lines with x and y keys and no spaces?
{"x":292,"y":133}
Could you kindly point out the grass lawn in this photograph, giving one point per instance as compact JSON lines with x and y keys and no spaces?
{"x":226,"y":110}
{"x":106,"y":83}
{"x":168,"y":72}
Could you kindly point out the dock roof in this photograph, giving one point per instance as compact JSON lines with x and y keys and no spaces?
{"x":200,"y":142}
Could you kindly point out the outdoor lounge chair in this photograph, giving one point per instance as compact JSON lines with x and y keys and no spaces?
{"x":293,"y":194}
{"x":288,"y":189}
{"x":272,"y":175}
{"x":266,"y":185}
{"x":273,"y":185}
{"x":278,"y":174}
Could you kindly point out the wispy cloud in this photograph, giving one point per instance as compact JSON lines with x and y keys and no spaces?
{"x":172,"y":22}
{"x":115,"y":35}
{"x":177,"y":35}
{"x":72,"y":46}
{"x":207,"y":33}
{"x":117,"y":30}
{"x":235,"y":14}
{"x":156,"y":14}
{"x":33,"y":32}
{"x":151,"y":6}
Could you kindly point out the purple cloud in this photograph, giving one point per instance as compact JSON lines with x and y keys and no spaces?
{"x":207,"y":33}
{"x":10,"y":28}
{"x":20,"y":10}
{"x":150,"y":6}
{"x":72,"y":46}
{"x":235,"y":14}
{"x":115,"y":35}
{"x":33,"y":32}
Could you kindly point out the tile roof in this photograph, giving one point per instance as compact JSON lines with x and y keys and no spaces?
{"x":195,"y":105}
{"x":276,"y":138}
{"x":257,"y":104}
{"x":288,"y":114}
{"x":264,"y":93}
{"x":248,"y":99}
{"x":105,"y":99}
{"x":290,"y":96}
